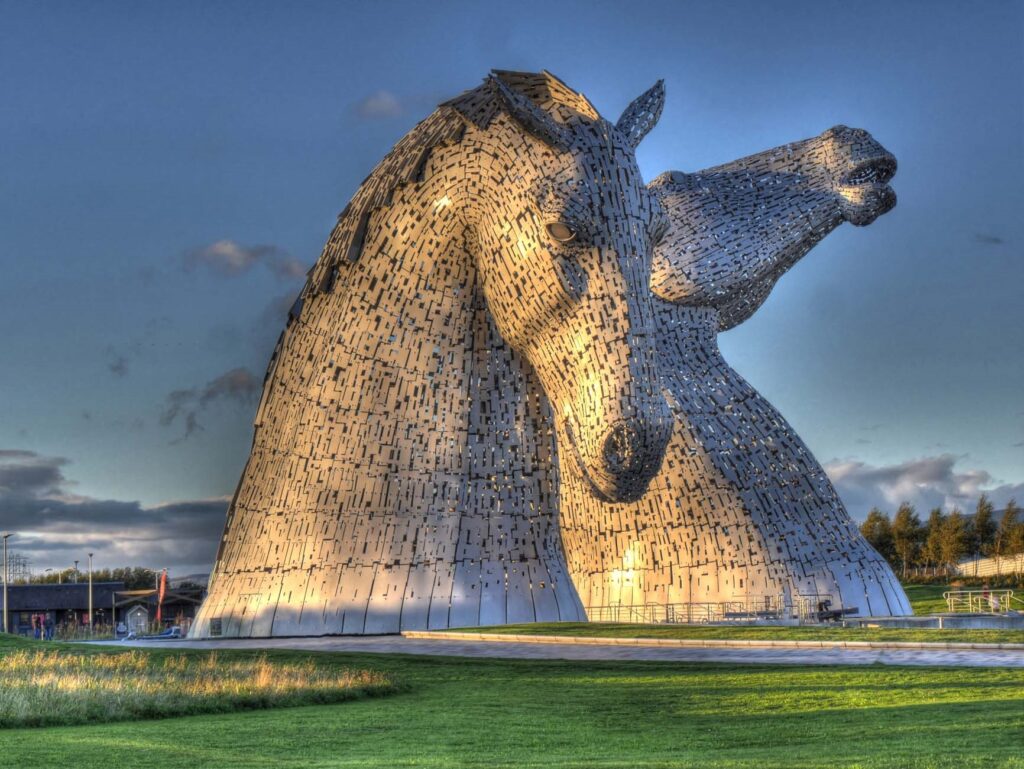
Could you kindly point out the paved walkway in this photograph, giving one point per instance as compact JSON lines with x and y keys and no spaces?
{"x":568,"y":651}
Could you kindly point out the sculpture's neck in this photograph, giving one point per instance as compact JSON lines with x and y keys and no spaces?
{"x":689,"y":334}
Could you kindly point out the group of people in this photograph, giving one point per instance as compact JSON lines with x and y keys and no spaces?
{"x":43,"y":627}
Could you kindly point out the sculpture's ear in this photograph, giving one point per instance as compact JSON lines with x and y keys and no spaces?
{"x":531,"y":117}
{"x":641,"y":116}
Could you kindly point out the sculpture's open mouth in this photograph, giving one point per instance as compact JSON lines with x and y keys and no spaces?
{"x":873,"y":171}
{"x":864,"y":190}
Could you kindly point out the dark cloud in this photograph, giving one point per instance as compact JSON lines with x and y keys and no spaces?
{"x":288,"y":268}
{"x":119,"y":360}
{"x":926,"y":483}
{"x":992,"y":240}
{"x":228,"y":258}
{"x":25,"y":472}
{"x":238,"y":385}
{"x":51,"y":526}
{"x":118,"y":366}
{"x":6,"y":454}
{"x":381,"y":104}
{"x":275,"y":314}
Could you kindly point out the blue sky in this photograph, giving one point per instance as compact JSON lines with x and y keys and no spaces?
{"x":135,"y":136}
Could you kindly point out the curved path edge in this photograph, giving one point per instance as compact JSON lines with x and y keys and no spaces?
{"x":708,"y":643}
{"x":588,"y":652}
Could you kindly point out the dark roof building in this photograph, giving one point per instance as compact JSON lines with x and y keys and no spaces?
{"x":61,"y":597}
{"x":59,"y":604}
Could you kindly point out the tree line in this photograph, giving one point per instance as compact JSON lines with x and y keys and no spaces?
{"x":133,"y":577}
{"x":944,"y":539}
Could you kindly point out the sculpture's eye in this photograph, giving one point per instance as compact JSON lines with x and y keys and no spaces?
{"x":561,"y":232}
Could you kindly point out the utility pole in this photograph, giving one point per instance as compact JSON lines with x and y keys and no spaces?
{"x":5,"y":535}
{"x":76,"y":572}
{"x":90,"y":596}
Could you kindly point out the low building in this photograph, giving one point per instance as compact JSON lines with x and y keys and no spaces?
{"x":137,"y":609}
{"x":66,"y":604}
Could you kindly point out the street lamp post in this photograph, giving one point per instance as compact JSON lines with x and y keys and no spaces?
{"x":5,"y":535}
{"x":90,"y":596}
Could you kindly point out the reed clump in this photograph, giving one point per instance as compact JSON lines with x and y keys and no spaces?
{"x":51,"y":687}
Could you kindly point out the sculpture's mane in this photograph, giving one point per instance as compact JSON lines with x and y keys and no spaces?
{"x":405,"y":163}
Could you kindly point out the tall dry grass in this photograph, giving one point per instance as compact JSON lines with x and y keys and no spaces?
{"x":48,"y":688}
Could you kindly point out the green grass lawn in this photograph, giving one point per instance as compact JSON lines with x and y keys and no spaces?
{"x":517,"y":713}
{"x":927,"y":599}
{"x":764,"y":633}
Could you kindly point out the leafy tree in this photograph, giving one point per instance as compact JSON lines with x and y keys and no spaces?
{"x":1007,"y":531}
{"x":878,"y":532}
{"x":932,"y":549}
{"x":953,"y":538}
{"x":189,"y":585}
{"x":134,"y":577}
{"x":54,"y":577}
{"x":907,"y":535}
{"x":983,"y":531}
{"x":1016,"y":538}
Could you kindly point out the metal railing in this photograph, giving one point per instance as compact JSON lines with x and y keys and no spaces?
{"x":982,"y":601}
{"x":777,"y":608}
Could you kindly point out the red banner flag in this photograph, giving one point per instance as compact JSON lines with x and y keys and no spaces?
{"x":160,"y":591}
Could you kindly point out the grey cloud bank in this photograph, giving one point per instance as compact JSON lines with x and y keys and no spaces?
{"x":926,"y":482}
{"x":53,"y":527}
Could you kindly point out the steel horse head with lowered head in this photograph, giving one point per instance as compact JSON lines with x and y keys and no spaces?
{"x":489,"y":280}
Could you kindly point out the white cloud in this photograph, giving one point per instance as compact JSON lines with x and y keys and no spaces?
{"x":926,"y":483}
{"x":382,"y":104}
{"x":231,"y":259}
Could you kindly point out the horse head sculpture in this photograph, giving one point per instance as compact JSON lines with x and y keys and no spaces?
{"x":725,"y":249}
{"x":403,"y":469}
{"x":563,"y":228}
{"x":741,"y":512}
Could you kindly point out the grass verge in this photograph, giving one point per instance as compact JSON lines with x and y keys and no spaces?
{"x":731,"y":632}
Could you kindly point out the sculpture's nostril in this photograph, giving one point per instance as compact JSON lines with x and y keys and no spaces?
{"x":623,"y":449}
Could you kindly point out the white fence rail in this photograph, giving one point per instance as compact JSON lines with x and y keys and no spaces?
{"x":804,"y":608}
{"x":982,"y":601}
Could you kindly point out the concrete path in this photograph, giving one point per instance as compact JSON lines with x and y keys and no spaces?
{"x":570,"y":651}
